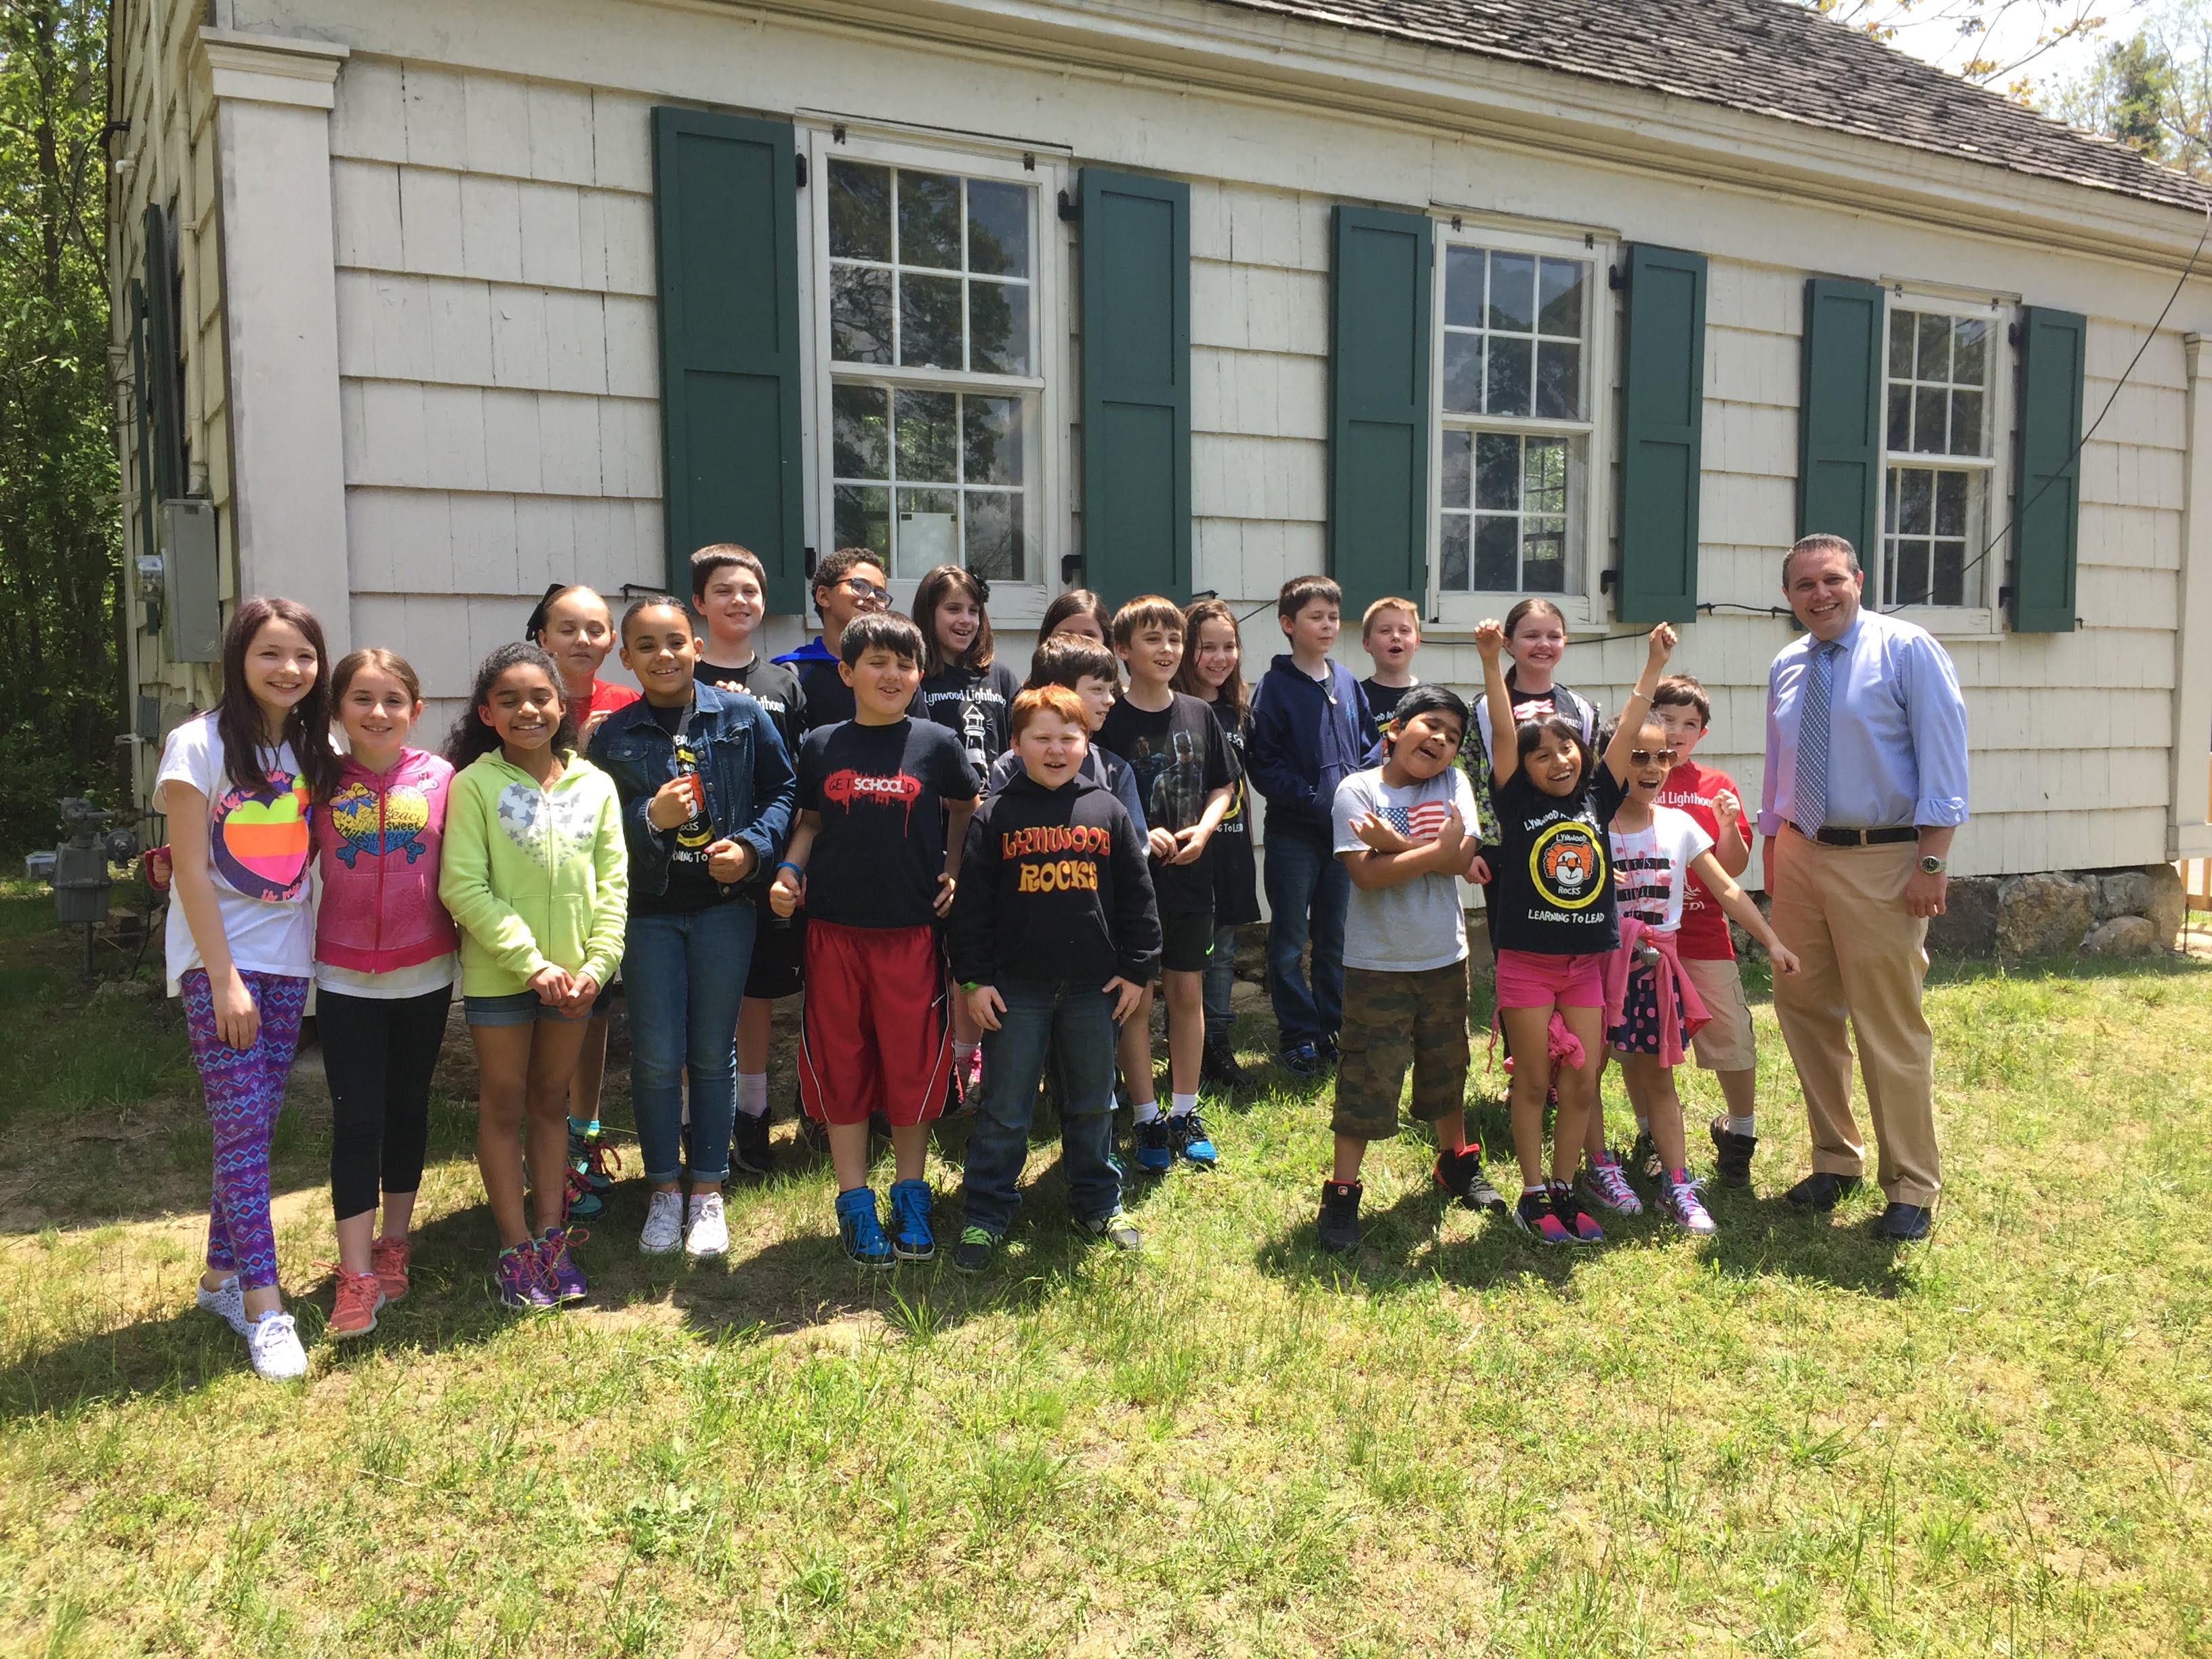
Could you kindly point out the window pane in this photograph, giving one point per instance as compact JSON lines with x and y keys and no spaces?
{"x":1497,"y":470}
{"x":1912,"y":572}
{"x":858,"y":422}
{"x":859,"y":314}
{"x":928,"y":532}
{"x":864,"y":519}
{"x":1929,"y":405}
{"x":1947,"y":580}
{"x":1509,"y":377}
{"x":1934,"y":348}
{"x":991,"y":439}
{"x":1558,"y":382}
{"x":992,"y":539}
{"x":1950,"y":503}
{"x":1455,"y":575}
{"x":1889,"y":500}
{"x":1966,"y":423}
{"x":929,"y":220}
{"x":998,"y":229}
{"x":1459,"y":462}
{"x":1912,"y":504}
{"x":1463,"y":286}
{"x":998,"y":327}
{"x":1900,"y":418}
{"x":860,"y":212}
{"x":1463,"y":373}
{"x":1544,"y":482}
{"x":1543,"y":555}
{"x":1560,"y":293}
{"x":928,"y":437}
{"x":1970,"y":359}
{"x":929,"y":322}
{"x":1513,"y":292}
{"x":1497,"y":544}
{"x":1901,"y":327}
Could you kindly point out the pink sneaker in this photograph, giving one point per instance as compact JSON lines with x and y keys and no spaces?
{"x":562,"y":1279}
{"x":1604,"y":1184}
{"x":972,"y":1079}
{"x":360,"y":1295}
{"x":389,"y":1258}
{"x":1686,"y":1210}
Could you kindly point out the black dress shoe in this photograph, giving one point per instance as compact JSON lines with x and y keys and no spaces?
{"x":1820,"y":1190}
{"x":1903,"y":1221}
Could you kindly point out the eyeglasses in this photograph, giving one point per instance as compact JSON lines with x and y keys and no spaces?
{"x":1645,"y":756}
{"x":864,"y":590}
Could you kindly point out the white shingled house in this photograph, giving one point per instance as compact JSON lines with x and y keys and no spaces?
{"x":420,"y":304}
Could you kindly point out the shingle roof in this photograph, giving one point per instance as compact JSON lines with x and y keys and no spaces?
{"x":1769,"y":58}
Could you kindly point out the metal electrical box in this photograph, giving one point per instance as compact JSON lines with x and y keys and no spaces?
{"x":192,"y":616}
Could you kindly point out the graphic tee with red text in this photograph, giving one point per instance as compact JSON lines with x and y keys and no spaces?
{"x":1690,"y":788}
{"x":881,"y":792}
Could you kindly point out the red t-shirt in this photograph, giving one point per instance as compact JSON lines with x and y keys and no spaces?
{"x":606,"y":697}
{"x":1692,"y":787}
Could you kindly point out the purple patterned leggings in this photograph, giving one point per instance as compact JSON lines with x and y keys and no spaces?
{"x":244,"y":1089}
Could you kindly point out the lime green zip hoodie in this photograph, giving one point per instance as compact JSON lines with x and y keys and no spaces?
{"x":534,"y":876}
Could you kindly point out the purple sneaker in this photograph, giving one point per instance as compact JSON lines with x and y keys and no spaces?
{"x":522,"y":1278}
{"x":562,"y":1279}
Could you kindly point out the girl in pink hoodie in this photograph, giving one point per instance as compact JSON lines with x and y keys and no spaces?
{"x":384,"y":966}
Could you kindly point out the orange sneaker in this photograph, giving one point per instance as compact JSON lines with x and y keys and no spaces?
{"x":359,"y":1297}
{"x":389,"y":1258}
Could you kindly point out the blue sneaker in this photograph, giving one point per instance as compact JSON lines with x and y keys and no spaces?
{"x":1301,"y":1060}
{"x":911,"y":1238}
{"x":861,"y":1230}
{"x":1187,"y":1133}
{"x":1155,"y":1147}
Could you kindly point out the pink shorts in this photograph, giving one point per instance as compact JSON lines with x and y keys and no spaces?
{"x":1530,"y":979}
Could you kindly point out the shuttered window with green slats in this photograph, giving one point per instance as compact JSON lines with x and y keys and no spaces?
{"x":1661,"y":438}
{"x":1839,"y":413}
{"x":2047,"y":484}
{"x":1379,"y":413}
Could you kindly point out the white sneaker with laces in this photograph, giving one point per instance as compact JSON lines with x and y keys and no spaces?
{"x":1687,"y":1211}
{"x":227,"y":1303}
{"x":709,"y":1234}
{"x":664,"y":1223}
{"x":275,"y":1345}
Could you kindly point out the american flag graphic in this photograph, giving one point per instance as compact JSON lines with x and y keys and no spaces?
{"x":1421,"y":822}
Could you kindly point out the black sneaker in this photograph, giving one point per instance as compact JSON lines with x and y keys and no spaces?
{"x":749,"y":1152}
{"x":1156,"y":1152}
{"x":1533,"y":1215}
{"x":1579,"y":1224}
{"x":1644,"y":1157}
{"x":1460,"y":1175}
{"x":1187,"y":1134}
{"x":1731,"y":1154}
{"x":974,"y":1252}
{"x":1331,"y":1049}
{"x":1218,"y":1067}
{"x":1337,"y":1224}
{"x":813,"y":1135}
{"x":1301,"y":1060}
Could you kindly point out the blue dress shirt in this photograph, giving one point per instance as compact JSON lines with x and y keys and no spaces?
{"x":1897,"y":731}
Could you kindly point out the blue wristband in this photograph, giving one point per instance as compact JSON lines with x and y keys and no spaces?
{"x":795,"y":869}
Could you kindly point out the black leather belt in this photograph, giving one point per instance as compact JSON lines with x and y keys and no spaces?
{"x":1833,"y":837}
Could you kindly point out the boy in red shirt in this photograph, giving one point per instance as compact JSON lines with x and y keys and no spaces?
{"x":1724,"y":1047}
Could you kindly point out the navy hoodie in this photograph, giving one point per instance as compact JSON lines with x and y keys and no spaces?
{"x":1305,"y":739}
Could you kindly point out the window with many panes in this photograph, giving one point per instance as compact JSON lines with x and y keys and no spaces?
{"x":935,"y":378}
{"x":1939,"y":419}
{"x":1516,"y":418}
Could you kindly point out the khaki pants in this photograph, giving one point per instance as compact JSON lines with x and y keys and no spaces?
{"x":1841,"y":909}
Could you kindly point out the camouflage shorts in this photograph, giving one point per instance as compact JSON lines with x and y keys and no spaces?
{"x":1391,"y":1022}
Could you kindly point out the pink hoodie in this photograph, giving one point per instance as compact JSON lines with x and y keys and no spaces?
{"x":376,"y":849}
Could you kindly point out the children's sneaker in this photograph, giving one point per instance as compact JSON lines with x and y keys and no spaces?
{"x":1580,"y":1226}
{"x":1338,"y":1224}
{"x":1731,"y":1154}
{"x":664,"y":1223}
{"x":1686,"y":1209}
{"x":708,"y":1234}
{"x":1331,"y":1048}
{"x":912,"y":1238}
{"x":389,"y":1259}
{"x":1606,"y":1186}
{"x":588,"y":1152}
{"x":1534,"y":1216}
{"x":1116,"y":1229}
{"x":273,"y":1343}
{"x":813,"y":1134}
{"x":861,"y":1230}
{"x":227,"y":1301}
{"x":561,"y":1280}
{"x":750,"y":1152}
{"x":1218,"y":1065}
{"x":1460,"y":1175}
{"x":580,"y":1201}
{"x":974,"y":1252}
{"x":354,"y":1310}
{"x":1644,"y":1157}
{"x":1155,"y":1147}
{"x":522,"y":1277}
{"x":1187,"y":1133}
{"x":970,"y":1073}
{"x":1301,"y":1060}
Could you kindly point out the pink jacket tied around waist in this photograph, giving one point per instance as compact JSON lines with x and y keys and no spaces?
{"x":1681,"y":1013}
{"x":377,"y":849}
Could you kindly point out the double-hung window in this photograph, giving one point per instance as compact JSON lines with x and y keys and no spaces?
{"x":1943,"y":420}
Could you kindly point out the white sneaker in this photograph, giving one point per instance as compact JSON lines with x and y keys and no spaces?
{"x":664,"y":1223}
{"x":227,"y":1305}
{"x":709,"y":1234}
{"x":275,"y":1345}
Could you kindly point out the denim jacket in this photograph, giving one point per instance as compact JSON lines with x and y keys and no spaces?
{"x":751,"y":786}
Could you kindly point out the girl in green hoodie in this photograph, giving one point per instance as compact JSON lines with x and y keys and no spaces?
{"x":537,"y":877}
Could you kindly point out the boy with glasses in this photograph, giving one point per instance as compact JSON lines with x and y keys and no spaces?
{"x":847,"y":583}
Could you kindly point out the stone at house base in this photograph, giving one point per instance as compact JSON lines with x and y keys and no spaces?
{"x":2041,"y":915}
{"x":2122,"y":936}
{"x":1968,"y":925}
{"x":2127,"y":894}
{"x":2168,"y":905}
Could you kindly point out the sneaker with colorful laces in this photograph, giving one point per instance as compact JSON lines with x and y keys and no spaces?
{"x":1115,"y":1229}
{"x":353,"y":1312}
{"x":389,"y":1259}
{"x":1187,"y":1134}
{"x":974,"y":1252}
{"x":860,"y":1230}
{"x":912,"y":1239}
{"x":1606,"y":1184}
{"x":1533,"y":1215}
{"x":562,"y":1279}
{"x":1155,"y":1147}
{"x":1580,"y":1226}
{"x":1686,"y":1209}
{"x":1460,"y":1175}
{"x":521,"y":1276}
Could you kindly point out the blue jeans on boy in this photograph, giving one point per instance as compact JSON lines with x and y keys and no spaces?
{"x":1075,"y":1023}
{"x":685,"y":977}
{"x":1309,"y":891}
{"x":1220,"y":983}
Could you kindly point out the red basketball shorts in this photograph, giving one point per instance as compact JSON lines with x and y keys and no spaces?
{"x":875,"y":1037}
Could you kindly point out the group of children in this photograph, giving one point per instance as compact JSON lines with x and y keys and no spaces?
{"x":977,"y":881}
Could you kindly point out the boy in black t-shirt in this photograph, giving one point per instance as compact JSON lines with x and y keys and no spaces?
{"x":883,"y":802}
{"x":1174,"y":744}
{"x":729,"y":589}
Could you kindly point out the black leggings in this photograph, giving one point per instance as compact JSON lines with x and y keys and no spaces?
{"x":378,"y":1054}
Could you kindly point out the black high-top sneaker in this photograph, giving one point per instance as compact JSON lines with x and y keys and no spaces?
{"x":1339,"y":1221}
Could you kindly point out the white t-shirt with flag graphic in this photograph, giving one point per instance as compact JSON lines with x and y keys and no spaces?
{"x":1417,"y":925}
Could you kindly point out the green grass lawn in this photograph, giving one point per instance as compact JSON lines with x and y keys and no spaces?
{"x":1788,"y":1440}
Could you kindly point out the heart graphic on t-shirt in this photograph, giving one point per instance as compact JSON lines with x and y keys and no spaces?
{"x":261,"y":847}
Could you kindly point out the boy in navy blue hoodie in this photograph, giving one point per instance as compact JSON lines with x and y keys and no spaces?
{"x":1310,"y":733}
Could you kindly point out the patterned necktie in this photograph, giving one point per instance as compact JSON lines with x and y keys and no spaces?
{"x":1810,"y":802}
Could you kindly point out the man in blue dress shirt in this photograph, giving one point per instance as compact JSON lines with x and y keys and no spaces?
{"x":1866,"y":785}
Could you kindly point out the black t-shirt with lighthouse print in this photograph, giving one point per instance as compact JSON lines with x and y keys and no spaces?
{"x":1551,"y":886}
{"x":977,"y":705}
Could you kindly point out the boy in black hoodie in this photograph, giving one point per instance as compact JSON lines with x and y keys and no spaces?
{"x":1053,"y":935}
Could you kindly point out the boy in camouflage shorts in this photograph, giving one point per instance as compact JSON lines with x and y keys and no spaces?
{"x":1402,"y":831}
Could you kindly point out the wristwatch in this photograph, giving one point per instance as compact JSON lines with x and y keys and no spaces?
{"x":1930,"y":865}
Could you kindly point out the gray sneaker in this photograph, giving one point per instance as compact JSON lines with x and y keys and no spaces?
{"x":1116,"y":1230}
{"x":227,"y":1305}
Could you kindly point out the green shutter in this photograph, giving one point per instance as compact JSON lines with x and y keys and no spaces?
{"x":727,"y":215}
{"x":1662,"y":399}
{"x":164,"y":393}
{"x":2047,"y":518}
{"x":142,"y":395}
{"x":1136,"y":385}
{"x":1382,"y":264}
{"x":1839,"y":414}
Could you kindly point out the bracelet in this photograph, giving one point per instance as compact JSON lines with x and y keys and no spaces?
{"x":795,"y":869}
{"x":971,"y":986}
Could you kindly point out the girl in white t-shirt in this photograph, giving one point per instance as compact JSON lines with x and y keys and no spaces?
{"x":237,"y":785}
{"x":1651,"y":1008}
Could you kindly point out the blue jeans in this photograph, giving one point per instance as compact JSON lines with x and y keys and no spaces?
{"x":686,"y":978}
{"x":1308,"y":891}
{"x":1220,"y":983}
{"x":1075,"y":1023}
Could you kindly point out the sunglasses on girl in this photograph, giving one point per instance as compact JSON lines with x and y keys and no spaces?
{"x":1645,"y":756}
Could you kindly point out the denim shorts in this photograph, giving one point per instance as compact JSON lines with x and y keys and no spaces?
{"x":523,"y":1008}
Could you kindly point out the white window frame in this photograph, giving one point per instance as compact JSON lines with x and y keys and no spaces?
{"x":1046,"y":457}
{"x":1984,"y":618}
{"x":1590,"y":496}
